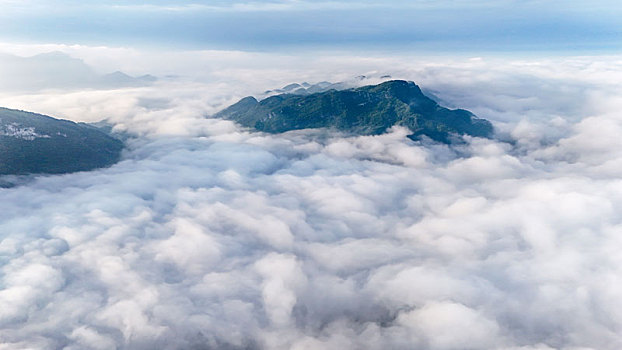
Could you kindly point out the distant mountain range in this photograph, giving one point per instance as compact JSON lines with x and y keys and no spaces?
{"x":367,"y":110}
{"x":33,"y":143}
{"x":307,"y":89}
{"x":54,"y":70}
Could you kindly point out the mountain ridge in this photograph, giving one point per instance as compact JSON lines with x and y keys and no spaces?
{"x":32,"y":143}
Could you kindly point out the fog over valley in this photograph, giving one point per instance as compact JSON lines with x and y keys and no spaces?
{"x":210,"y":235}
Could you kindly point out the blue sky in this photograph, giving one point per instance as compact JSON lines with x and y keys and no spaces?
{"x":479,"y":25}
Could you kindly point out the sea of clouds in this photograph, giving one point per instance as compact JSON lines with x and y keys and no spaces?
{"x":210,"y":236}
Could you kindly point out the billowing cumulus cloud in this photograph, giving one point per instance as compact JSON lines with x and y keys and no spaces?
{"x":209,"y":236}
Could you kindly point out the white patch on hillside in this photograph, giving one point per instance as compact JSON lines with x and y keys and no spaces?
{"x":19,"y":132}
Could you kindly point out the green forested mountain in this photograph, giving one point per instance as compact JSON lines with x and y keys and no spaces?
{"x":368,"y":110}
{"x":33,"y":143}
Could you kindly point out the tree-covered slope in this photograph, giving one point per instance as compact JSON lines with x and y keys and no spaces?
{"x":32,"y":143}
{"x":368,"y":110}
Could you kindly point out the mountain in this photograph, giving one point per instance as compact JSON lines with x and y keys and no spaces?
{"x":367,"y":110}
{"x":33,"y":143}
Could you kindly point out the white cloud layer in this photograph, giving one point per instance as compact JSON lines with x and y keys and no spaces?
{"x":209,"y":236}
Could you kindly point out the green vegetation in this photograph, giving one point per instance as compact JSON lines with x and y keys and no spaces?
{"x":368,"y":110}
{"x":32,"y":143}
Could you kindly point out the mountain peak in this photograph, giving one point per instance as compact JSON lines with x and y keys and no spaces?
{"x":405,"y":91}
{"x":367,"y":110}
